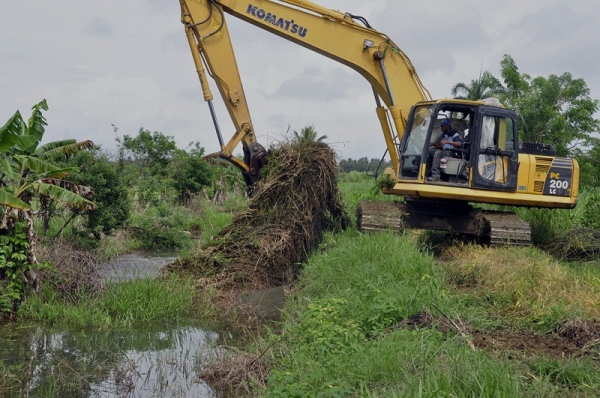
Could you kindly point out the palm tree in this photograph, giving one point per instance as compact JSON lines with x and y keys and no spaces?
{"x":308,"y":134}
{"x":485,"y":86}
{"x":26,"y":171}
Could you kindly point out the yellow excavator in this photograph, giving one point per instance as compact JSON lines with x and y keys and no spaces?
{"x":491,"y":165}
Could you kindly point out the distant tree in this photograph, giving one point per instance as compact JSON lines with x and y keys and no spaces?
{"x":363,"y":165}
{"x":485,"y":86}
{"x":589,"y":163}
{"x":557,"y":110}
{"x":346,"y":165}
{"x":308,"y":134}
{"x":189,"y":172}
{"x":151,"y":150}
{"x":103,"y":177}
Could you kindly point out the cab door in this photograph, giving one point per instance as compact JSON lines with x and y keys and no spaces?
{"x":494,"y":151}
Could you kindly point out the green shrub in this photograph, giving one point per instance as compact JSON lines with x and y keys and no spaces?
{"x":188,"y":172}
{"x":106,"y":181}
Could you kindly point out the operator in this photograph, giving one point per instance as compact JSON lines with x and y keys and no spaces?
{"x":451,"y":140}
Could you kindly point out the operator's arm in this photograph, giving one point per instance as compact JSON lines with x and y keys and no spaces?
{"x":454,"y":143}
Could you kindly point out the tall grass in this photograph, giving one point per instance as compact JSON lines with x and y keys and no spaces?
{"x":549,"y":224}
{"x":357,"y":186}
{"x":121,"y":305}
{"x":522,"y":286}
{"x":335,"y":333}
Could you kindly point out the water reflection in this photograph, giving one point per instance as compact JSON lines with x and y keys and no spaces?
{"x":159,"y":361}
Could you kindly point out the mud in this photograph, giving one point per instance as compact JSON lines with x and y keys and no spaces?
{"x":526,"y":343}
{"x":574,"y":338}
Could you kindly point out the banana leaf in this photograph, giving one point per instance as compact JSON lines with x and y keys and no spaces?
{"x":9,"y":200}
{"x":52,"y":145}
{"x":37,"y":121}
{"x":37,"y":165}
{"x":66,"y":195}
{"x":80,"y":190}
{"x":67,"y":149}
{"x":10,"y":169}
{"x":9,"y":133}
{"x":25,"y":142}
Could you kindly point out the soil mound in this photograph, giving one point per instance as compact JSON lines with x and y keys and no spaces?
{"x":296,"y":201}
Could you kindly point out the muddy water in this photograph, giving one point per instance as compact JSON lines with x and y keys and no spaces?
{"x":158,"y":360}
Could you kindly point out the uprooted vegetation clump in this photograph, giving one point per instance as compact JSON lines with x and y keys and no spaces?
{"x":296,"y":201}
{"x":580,"y":243}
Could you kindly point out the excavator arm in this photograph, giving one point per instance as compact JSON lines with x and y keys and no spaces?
{"x":342,"y":37}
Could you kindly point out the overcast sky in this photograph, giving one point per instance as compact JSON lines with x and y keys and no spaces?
{"x":128,"y":64}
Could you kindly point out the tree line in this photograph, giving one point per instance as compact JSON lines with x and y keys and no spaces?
{"x":364,"y":165}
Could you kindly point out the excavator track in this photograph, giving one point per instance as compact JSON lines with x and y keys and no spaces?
{"x":506,"y":229}
{"x":489,"y":227}
{"x":374,"y":216}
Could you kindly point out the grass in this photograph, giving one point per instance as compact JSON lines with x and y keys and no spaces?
{"x":355,"y":187}
{"x":121,"y":305}
{"x":334,"y":332}
{"x":339,"y":337}
{"x":525,"y":285}
{"x":339,"y":340}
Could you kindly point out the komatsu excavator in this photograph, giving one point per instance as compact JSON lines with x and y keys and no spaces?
{"x":492,"y":166}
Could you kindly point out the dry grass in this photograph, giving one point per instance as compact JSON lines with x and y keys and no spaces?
{"x":522,"y":282}
{"x":74,"y":273}
{"x":237,"y":370}
{"x":576,"y":244}
{"x":291,"y":208}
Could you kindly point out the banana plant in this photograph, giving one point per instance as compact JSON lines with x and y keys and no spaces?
{"x":26,"y":170}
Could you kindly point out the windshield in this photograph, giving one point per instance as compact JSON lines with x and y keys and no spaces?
{"x":418,"y":131}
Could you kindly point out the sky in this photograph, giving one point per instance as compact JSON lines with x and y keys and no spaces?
{"x":109,"y":68}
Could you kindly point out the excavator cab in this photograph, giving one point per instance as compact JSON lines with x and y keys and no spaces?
{"x":488,"y":157}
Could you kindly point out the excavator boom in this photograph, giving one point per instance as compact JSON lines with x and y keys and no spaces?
{"x":331,"y":33}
